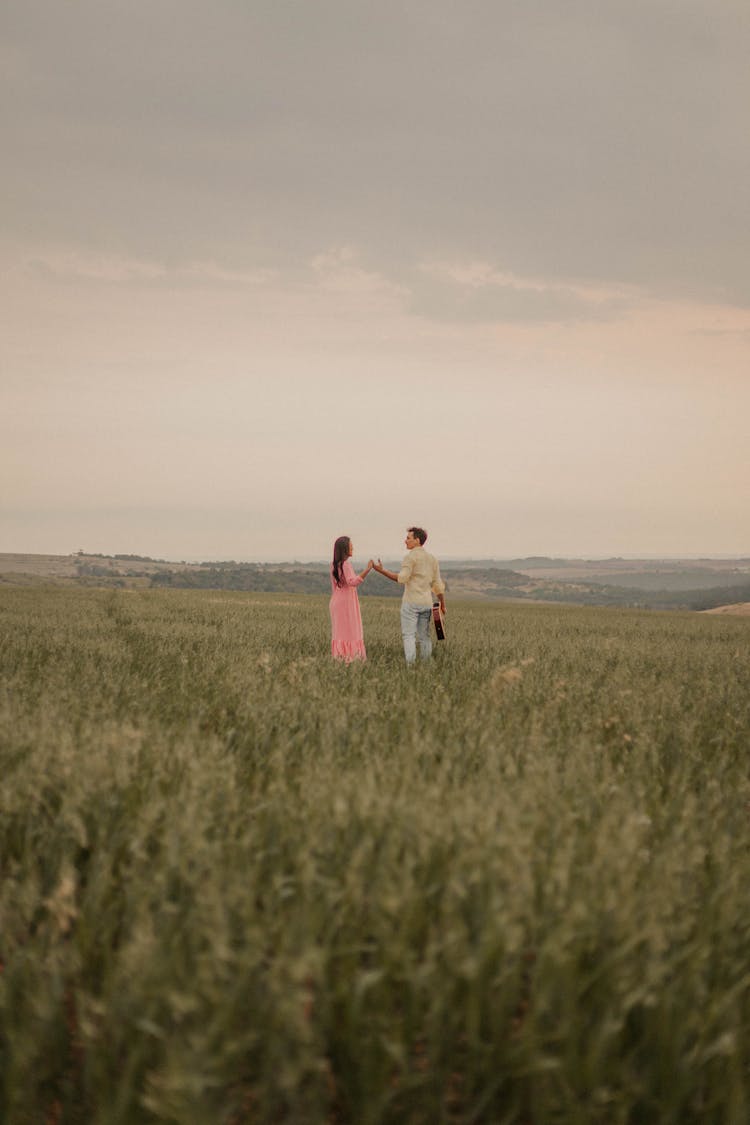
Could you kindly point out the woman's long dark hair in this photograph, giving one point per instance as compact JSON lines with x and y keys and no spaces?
{"x":340,"y":555}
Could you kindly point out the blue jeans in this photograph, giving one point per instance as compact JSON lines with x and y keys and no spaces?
{"x":415,"y":626}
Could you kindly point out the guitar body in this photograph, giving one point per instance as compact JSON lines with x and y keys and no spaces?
{"x":439,"y":621}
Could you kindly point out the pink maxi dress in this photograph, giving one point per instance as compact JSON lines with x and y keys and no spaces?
{"x":347,"y":640}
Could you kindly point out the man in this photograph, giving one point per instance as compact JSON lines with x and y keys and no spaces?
{"x":420,"y":577}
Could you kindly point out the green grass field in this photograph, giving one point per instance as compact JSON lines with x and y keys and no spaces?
{"x":241,"y":883}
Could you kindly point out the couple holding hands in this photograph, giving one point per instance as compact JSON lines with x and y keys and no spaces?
{"x":420,"y":577}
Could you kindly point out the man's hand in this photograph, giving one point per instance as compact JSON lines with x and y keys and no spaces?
{"x":386,"y":573}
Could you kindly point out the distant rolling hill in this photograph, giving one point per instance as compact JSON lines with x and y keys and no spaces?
{"x":659,"y":584}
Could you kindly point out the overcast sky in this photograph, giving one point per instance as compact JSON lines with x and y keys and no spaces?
{"x":272,"y":272}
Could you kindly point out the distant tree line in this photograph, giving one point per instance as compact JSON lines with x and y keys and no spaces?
{"x":139,"y":558}
{"x":263,"y":579}
{"x":250,"y":578}
{"x":722,"y":595}
{"x":93,"y":570}
{"x":483,"y":582}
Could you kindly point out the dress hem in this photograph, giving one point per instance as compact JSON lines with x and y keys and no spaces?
{"x":348,"y":650}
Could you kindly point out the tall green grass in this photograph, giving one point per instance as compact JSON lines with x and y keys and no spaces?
{"x":242,"y":883}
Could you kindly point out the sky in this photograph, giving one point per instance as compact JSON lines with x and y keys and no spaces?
{"x":275,"y":271}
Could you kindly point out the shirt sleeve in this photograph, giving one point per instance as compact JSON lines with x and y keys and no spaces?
{"x":406,"y":568}
{"x":438,"y":586}
{"x":350,"y":577}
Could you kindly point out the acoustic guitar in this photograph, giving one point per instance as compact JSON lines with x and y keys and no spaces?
{"x":438,"y":621}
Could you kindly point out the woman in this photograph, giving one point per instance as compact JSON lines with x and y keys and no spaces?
{"x":347,"y":641}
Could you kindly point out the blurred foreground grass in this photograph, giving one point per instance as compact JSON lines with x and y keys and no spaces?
{"x":241,"y":883}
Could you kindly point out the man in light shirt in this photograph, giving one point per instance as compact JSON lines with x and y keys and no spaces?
{"x":420,"y":577}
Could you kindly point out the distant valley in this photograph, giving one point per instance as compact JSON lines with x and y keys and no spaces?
{"x":697,"y":584}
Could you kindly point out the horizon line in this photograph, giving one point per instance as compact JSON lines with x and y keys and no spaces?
{"x":723,"y":556}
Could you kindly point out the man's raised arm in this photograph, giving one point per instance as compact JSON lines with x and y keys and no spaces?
{"x":386,"y":573}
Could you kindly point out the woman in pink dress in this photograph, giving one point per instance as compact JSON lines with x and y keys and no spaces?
{"x":347,"y":641}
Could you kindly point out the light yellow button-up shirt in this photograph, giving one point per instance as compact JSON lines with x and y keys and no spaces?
{"x":420,"y":577}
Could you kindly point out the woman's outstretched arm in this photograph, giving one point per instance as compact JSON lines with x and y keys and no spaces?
{"x":350,"y":575}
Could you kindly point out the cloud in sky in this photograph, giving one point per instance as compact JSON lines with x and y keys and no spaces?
{"x":258,"y":260}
